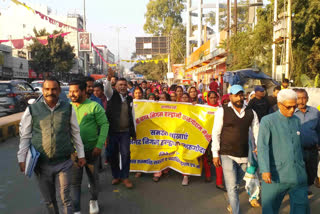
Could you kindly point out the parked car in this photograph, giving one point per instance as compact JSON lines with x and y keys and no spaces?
{"x":37,"y":84}
{"x":64,"y":95}
{"x":14,"y":95}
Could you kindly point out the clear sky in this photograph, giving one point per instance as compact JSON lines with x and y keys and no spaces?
{"x":102,"y":18}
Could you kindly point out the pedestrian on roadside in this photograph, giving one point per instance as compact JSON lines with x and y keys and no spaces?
{"x":89,"y":90}
{"x":193,"y":93}
{"x":130,"y":88}
{"x":164,"y":89}
{"x":173,"y":96}
{"x":148,"y":91}
{"x":259,"y":103}
{"x":214,"y":86}
{"x":230,"y":137}
{"x":164,"y":97}
{"x":172,"y":88}
{"x":280,"y":158}
{"x":201,"y":86}
{"x":51,"y":126}
{"x":285,"y":84}
{"x":138,"y":93}
{"x":310,"y":134}
{"x":94,"y":127}
{"x":179,"y":92}
{"x":185,"y":98}
{"x":157,"y":175}
{"x":156,"y":94}
{"x":225,"y":100}
{"x":121,"y":129}
{"x":151,"y":96}
{"x":144,"y":88}
{"x":272,"y":100}
{"x":98,"y":92}
{"x":212,"y":100}
{"x":114,"y":80}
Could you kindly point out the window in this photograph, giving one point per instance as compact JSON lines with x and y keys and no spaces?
{"x":28,"y":87}
{"x":20,"y":87}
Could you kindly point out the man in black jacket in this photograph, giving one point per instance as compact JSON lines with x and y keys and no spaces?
{"x":122,"y":128}
{"x":259,"y":103}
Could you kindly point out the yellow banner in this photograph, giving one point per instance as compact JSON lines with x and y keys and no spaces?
{"x":170,"y":135}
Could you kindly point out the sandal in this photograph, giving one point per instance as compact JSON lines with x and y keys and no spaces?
{"x":255,"y":203}
{"x":156,"y":179}
{"x":221,"y":187}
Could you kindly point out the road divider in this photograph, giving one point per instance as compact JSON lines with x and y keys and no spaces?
{"x":9,"y":126}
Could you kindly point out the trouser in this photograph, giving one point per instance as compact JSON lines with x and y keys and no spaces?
{"x":92,"y":170}
{"x":273,"y":194}
{"x":310,"y":157}
{"x":54,"y":182}
{"x":233,"y":174}
{"x":107,"y":149}
{"x":207,"y":170}
{"x":120,"y":143}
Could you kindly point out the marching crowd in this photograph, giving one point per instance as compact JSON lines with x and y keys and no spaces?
{"x":277,"y":136}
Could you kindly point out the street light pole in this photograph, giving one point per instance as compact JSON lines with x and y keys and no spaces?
{"x":84,"y":27}
{"x":118,"y":37}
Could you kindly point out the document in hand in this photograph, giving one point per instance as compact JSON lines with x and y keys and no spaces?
{"x":31,"y":161}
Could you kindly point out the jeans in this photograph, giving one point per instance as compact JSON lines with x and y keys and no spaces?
{"x":92,"y":170}
{"x":54,"y":182}
{"x":233,"y":174}
{"x":120,"y":143}
{"x":310,"y":158}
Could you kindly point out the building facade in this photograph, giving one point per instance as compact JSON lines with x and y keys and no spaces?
{"x":20,"y":23}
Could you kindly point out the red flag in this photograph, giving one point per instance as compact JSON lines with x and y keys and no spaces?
{"x":17,"y":43}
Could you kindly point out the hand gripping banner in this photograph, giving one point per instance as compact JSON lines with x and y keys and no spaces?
{"x":170,"y":135}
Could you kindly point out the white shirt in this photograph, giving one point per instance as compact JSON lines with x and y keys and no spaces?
{"x":108,"y":91}
{"x":217,"y":128}
{"x":25,"y":131}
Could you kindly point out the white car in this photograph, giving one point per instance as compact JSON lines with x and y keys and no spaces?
{"x":37,"y":84}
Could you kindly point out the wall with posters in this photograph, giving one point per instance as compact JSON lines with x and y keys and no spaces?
{"x":20,"y":68}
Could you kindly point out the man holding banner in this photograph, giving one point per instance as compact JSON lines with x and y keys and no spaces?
{"x":230,"y":138}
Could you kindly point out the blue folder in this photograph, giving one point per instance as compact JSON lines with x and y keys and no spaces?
{"x":31,"y":161}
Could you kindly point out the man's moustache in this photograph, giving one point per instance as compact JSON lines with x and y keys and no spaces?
{"x":51,"y":95}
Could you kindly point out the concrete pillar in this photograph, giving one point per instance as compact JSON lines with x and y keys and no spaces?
{"x":199,"y":23}
{"x":188,"y":27}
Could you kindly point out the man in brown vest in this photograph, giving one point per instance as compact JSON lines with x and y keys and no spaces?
{"x":230,"y":136}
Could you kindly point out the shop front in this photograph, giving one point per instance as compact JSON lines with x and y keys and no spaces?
{"x":207,"y":63}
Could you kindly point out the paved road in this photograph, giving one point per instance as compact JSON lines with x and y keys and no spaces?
{"x":19,"y":194}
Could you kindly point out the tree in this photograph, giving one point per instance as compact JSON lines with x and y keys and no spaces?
{"x":162,"y":16}
{"x":306,"y":40}
{"x":252,"y":48}
{"x":56,"y":57}
{"x":151,"y":71}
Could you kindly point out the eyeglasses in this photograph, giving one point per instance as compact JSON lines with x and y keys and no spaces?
{"x":289,"y":107}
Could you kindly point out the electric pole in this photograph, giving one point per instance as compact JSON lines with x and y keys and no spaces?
{"x":288,"y":45}
{"x":235,"y":17}
{"x":84,"y":27}
{"x":274,"y":49}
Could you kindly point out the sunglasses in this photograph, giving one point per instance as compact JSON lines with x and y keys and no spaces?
{"x":289,"y":107}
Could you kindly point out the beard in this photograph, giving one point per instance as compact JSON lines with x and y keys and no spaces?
{"x":75,"y":99}
{"x":89,"y":92}
{"x":238,"y":104}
